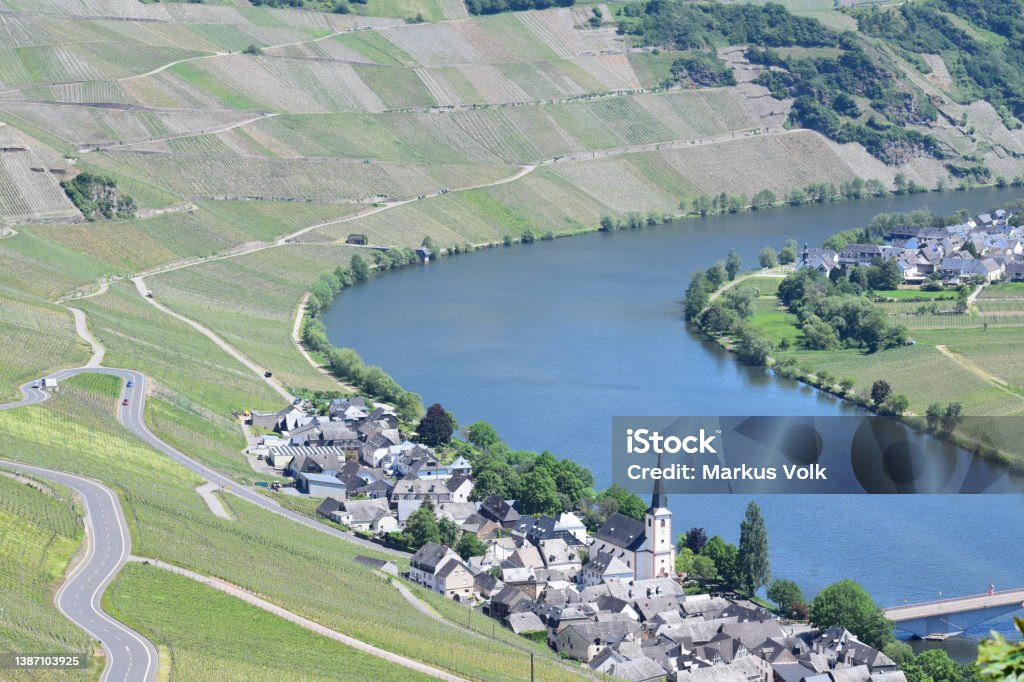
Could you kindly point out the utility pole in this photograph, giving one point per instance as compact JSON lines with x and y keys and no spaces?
{"x":531,"y":667}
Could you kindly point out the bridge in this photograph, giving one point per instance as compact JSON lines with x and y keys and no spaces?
{"x":949,"y":617}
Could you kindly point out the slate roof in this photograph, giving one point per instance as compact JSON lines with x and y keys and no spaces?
{"x":622,"y":531}
{"x":429,"y":556}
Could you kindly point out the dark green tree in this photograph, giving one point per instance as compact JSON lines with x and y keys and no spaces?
{"x":785,"y":594}
{"x":470,"y":546}
{"x":436,"y":427}
{"x":753,"y":567}
{"x":448,"y":532}
{"x":724,"y":555}
{"x":421,"y":526}
{"x":880,"y":391}
{"x":696,"y":538}
{"x":482,"y":435}
{"x":539,"y":494}
{"x":626,"y":503}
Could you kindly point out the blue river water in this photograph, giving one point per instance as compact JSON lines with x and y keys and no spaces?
{"x":548,"y":341}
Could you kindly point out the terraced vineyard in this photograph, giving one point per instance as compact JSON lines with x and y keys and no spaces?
{"x":40,"y":530}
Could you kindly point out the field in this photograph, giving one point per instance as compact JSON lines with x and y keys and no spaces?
{"x":210,"y":635}
{"x":39,"y":533}
{"x":258,"y":550}
{"x":35,"y":338}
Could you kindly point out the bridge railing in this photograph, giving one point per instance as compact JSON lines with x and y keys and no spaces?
{"x":955,"y":599}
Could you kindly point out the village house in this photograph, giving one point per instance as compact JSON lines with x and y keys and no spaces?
{"x":644,"y":546}
{"x":440,"y":570}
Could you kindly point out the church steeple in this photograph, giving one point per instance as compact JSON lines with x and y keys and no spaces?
{"x":658,"y":497}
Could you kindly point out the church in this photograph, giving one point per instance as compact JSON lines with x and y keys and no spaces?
{"x":644,"y":546}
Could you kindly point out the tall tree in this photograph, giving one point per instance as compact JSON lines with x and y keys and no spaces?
{"x":539,"y":494}
{"x":880,"y":391}
{"x":448,"y":532}
{"x":436,"y":427}
{"x":732,"y":264}
{"x":421,"y":527}
{"x":753,"y":568}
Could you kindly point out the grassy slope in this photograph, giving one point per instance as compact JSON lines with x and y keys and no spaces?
{"x":39,"y":533}
{"x":211,"y":635}
{"x":295,"y":567}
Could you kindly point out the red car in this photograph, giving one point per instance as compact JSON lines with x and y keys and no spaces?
{"x":125,"y":402}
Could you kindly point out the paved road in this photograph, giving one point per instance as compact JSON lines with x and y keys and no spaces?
{"x":129,"y":656}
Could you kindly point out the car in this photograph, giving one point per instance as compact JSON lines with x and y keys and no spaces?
{"x":35,"y":384}
{"x":124,"y":402}
{"x":149,"y":294}
{"x":130,"y":383}
{"x":268,"y":374}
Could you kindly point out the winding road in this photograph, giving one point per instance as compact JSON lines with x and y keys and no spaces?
{"x":130,"y":657}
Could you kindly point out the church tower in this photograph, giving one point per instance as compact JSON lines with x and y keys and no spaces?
{"x":658,"y":558}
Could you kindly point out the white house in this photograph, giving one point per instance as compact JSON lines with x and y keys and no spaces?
{"x":440,"y":570}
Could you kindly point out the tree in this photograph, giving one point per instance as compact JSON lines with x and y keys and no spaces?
{"x":360,"y":270}
{"x":482,"y":435}
{"x":952,"y":417}
{"x":752,"y":348}
{"x":724,"y":556}
{"x":847,"y":605}
{"x":898,"y":404}
{"x":933,"y":415}
{"x":767,"y":257}
{"x":470,"y":546}
{"x":753,"y":569}
{"x":627,"y":503}
{"x":539,"y":494}
{"x":1002,"y":660}
{"x":732,"y":264}
{"x":846,"y":385}
{"x":880,"y":391}
{"x":785,"y":594}
{"x":696,"y":295}
{"x":684,"y":557}
{"x":703,"y":568}
{"x":936,"y":664}
{"x":696,"y":538}
{"x":716,"y":275}
{"x":436,"y":427}
{"x":787,"y":254}
{"x":448,"y":532}
{"x":421,"y":526}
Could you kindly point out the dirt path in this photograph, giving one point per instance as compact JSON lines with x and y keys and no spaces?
{"x":82,"y":329}
{"x":979,"y":371}
{"x":779,"y":274}
{"x":140,"y":286}
{"x":206,"y":491}
{"x":250,"y":598}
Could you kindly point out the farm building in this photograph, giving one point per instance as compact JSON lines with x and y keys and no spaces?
{"x":320,"y":485}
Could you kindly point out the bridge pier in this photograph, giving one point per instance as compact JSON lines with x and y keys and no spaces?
{"x":950,"y":624}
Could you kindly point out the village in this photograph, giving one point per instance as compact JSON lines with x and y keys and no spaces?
{"x":610,"y":599}
{"x":978,"y":251}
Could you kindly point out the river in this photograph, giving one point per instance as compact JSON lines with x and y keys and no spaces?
{"x":548,"y":341}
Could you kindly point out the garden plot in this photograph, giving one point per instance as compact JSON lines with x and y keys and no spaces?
{"x":12,"y":70}
{"x":57,"y":64}
{"x":85,"y":125}
{"x":166,"y":89}
{"x":940,"y":76}
{"x":254,"y":79}
{"x":439,"y":87}
{"x":453,"y":9}
{"x":334,"y":85}
{"x":19,"y":31}
{"x":556,"y":29}
{"x":434,"y":44}
{"x":90,"y":92}
{"x":30,"y":182}
{"x":543,"y":80}
{"x":34,"y":338}
{"x":492,"y":84}
{"x":615,"y":121}
{"x":990,"y":125}
{"x":509,"y":135}
{"x":321,"y":49}
{"x":398,"y":87}
{"x":325,"y":180}
{"x":614,"y":183}
{"x":116,"y":60}
{"x":503,"y":38}
{"x":612,"y":71}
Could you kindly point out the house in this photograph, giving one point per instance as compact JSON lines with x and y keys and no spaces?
{"x":526,"y":621}
{"x":859,"y":255}
{"x":357,"y":239}
{"x":645,"y":546}
{"x":440,"y":570}
{"x":460,"y":466}
{"x":822,"y":260}
{"x":500,"y":511}
{"x":329,"y":506}
{"x":412,"y":487}
{"x":282,"y":420}
{"x":372,"y":516}
{"x":602,"y":567}
{"x":309,"y":460}
{"x":320,"y":485}
{"x":559,"y":556}
{"x":424,"y":254}
{"x":583,"y":641}
{"x":459,"y":487}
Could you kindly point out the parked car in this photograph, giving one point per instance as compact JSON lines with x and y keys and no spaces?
{"x":130,"y":383}
{"x":35,"y":384}
{"x":268,"y":374}
{"x":124,"y":402}
{"x":149,"y":294}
